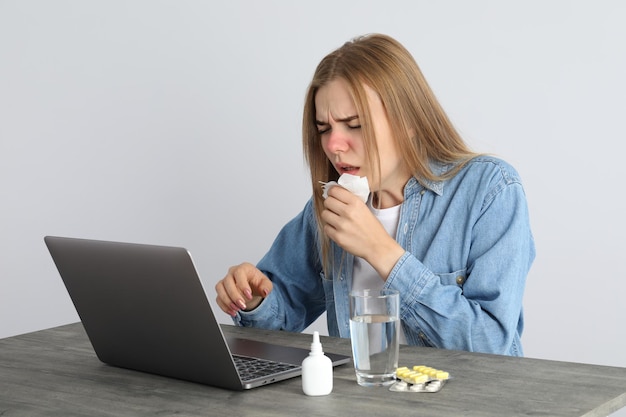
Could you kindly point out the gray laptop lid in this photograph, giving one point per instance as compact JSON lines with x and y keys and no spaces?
{"x":144,"y":308}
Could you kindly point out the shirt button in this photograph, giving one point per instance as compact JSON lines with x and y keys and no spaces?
{"x":406,"y":228}
{"x":460,"y":279}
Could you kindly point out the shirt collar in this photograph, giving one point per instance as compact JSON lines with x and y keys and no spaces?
{"x":437,"y":168}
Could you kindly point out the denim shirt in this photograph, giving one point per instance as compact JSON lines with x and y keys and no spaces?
{"x":468,"y":249}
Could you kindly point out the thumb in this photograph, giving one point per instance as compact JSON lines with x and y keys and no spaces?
{"x":261,"y":285}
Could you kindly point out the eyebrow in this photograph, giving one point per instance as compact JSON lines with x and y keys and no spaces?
{"x":345,"y":119}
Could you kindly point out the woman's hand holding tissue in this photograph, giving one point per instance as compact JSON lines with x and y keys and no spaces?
{"x":358,"y":185}
{"x":351,"y":224}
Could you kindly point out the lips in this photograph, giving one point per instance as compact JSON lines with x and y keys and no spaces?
{"x":347,"y":169}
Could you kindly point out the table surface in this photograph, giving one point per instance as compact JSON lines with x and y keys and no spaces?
{"x":55,"y":372}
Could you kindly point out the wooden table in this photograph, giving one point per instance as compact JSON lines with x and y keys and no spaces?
{"x":55,"y":372}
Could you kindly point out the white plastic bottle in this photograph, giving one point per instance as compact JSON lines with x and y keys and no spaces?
{"x":317,"y":370}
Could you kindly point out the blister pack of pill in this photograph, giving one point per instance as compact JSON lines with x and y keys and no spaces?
{"x":419,"y":378}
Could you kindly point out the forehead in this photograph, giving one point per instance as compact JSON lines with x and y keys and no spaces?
{"x":334,"y":100}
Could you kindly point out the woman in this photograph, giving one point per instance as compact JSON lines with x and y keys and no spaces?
{"x":444,"y":226}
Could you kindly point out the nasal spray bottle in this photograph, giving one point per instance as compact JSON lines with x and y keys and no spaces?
{"x":317,"y":370}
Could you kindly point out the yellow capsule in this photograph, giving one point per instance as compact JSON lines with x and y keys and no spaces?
{"x":427,"y":372}
{"x":419,"y":379}
{"x":442,"y":375}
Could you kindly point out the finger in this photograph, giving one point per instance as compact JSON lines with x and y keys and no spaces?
{"x":237,"y":287}
{"x":223,"y":300}
{"x":339,"y":207}
{"x":260,"y":284}
{"x":342,"y":194}
{"x":263,"y":285}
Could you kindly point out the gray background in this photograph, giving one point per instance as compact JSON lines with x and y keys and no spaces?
{"x":178,"y":123}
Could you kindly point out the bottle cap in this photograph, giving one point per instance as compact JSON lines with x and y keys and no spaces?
{"x":316,"y":345}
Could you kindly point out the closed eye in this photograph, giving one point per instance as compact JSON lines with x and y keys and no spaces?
{"x":322,"y":127}
{"x":352,"y":122}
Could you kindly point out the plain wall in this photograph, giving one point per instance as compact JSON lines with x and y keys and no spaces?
{"x":178,"y":123}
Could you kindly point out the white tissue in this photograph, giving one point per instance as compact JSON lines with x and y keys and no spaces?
{"x":357,"y":185}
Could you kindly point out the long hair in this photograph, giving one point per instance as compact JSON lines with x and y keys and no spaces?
{"x":418,"y":123}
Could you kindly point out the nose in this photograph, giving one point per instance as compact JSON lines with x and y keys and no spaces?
{"x":336,"y":142}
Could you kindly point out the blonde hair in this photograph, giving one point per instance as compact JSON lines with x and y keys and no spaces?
{"x":421,"y":128}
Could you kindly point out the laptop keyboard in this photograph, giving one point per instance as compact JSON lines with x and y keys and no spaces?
{"x":251,"y":368}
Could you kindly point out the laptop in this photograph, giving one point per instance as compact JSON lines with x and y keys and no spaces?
{"x":144,"y":308}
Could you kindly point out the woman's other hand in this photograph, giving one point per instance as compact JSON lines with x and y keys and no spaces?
{"x":243,"y":288}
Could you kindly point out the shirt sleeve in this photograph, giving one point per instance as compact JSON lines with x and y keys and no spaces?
{"x":293,"y":266}
{"x":481,"y":310}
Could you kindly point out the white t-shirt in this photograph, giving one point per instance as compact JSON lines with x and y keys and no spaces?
{"x":364,"y":276}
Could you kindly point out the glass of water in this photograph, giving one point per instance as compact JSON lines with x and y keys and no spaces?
{"x":374,"y":332}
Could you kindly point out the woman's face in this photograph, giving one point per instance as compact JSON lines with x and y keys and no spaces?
{"x":339,"y":126}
